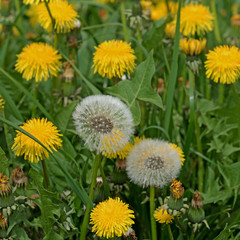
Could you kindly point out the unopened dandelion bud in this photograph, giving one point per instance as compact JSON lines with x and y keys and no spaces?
{"x":197,"y":200}
{"x":18,"y":177}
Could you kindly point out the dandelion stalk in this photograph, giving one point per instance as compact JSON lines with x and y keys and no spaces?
{"x":124,"y":21}
{"x":35,"y":86}
{"x":45,"y":174}
{"x":152,"y":209}
{"x":170,"y":232}
{"x":91,"y":194}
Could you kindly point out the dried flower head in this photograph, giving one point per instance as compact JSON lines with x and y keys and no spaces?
{"x":45,"y":132}
{"x":104,"y":123}
{"x":39,"y":61}
{"x":195,"y":19}
{"x":161,"y":215}
{"x":18,"y":177}
{"x":162,"y":10}
{"x":2,"y":103}
{"x":177,"y":190}
{"x":113,"y":58}
{"x":111,"y":218}
{"x":63,"y":13}
{"x":5,"y":187}
{"x":197,"y":200}
{"x":3,"y":221}
{"x":223,"y":64}
{"x":192,"y":47}
{"x":153,"y":162}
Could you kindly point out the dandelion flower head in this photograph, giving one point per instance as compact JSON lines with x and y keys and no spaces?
{"x":39,"y":61}
{"x":161,"y":9}
{"x":195,"y":19}
{"x":2,"y":102}
{"x":153,"y":162}
{"x":3,"y":221}
{"x":111,"y":218}
{"x":104,"y":122}
{"x":113,"y":58}
{"x":223,"y":64}
{"x":63,"y":14}
{"x":45,"y":132}
{"x":162,"y":216}
{"x":5,"y":186}
{"x":191,"y":46}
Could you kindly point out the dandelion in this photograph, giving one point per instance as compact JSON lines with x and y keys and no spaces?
{"x":192,"y":47}
{"x":223,"y":64}
{"x":34,"y":2}
{"x":162,"y":216}
{"x":161,"y":9}
{"x":2,"y":103}
{"x":111,"y":218}
{"x":113,"y":58}
{"x":3,"y":221}
{"x":104,"y":123}
{"x":39,"y":61}
{"x":153,"y":162}
{"x":18,"y":177}
{"x":45,"y":132}
{"x":177,"y":190}
{"x":235,"y":20}
{"x":195,"y":19}
{"x":170,"y":29}
{"x":63,"y":14}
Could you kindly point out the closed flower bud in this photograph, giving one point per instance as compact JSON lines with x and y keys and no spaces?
{"x":191,"y":46}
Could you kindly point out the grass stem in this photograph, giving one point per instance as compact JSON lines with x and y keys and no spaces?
{"x":152,"y":209}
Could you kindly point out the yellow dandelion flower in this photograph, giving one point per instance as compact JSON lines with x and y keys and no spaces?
{"x":223,"y":64}
{"x":162,"y":216}
{"x":179,"y":151}
{"x":161,"y":10}
{"x":63,"y":13}
{"x":195,"y":18}
{"x":5,"y":186}
{"x":114,"y":58}
{"x":45,"y":132}
{"x":111,"y":218}
{"x":2,"y":102}
{"x":176,"y":188}
{"x":34,"y":2}
{"x":235,"y":20}
{"x":123,"y":152}
{"x":39,"y":61}
{"x":170,"y":29}
{"x":192,"y":47}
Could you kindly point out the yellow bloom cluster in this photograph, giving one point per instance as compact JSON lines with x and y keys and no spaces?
{"x":192,"y":46}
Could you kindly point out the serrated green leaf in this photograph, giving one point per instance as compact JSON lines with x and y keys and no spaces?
{"x":139,"y":88}
{"x":4,"y":163}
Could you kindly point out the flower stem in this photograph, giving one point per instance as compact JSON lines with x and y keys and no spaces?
{"x":45,"y":173}
{"x":152,"y":209}
{"x":5,"y":126}
{"x":192,"y":235}
{"x":35,"y":86}
{"x":170,"y":232}
{"x":124,"y":22}
{"x":221,"y":93}
{"x":139,"y":38}
{"x":179,"y":224}
{"x":216,"y":26}
{"x":91,"y":194}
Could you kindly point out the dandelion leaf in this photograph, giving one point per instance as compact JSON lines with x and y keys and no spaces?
{"x":4,"y":163}
{"x":139,"y":88}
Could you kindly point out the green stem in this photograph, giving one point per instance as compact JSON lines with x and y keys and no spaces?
{"x":170,"y":232}
{"x":192,"y":235}
{"x":91,"y":194}
{"x":152,"y":209}
{"x":18,"y":9}
{"x":216,"y":26}
{"x":200,"y":160}
{"x":173,"y":73}
{"x":191,"y":120}
{"x":179,"y":224}
{"x":221,"y":93}
{"x":143,"y":115}
{"x":35,"y":88}
{"x":45,"y":173}
{"x":52,"y":19}
{"x":182,"y":91}
{"x":55,"y":40}
{"x":6,"y":136}
{"x":124,"y":22}
{"x":208,"y":89}
{"x":139,"y":38}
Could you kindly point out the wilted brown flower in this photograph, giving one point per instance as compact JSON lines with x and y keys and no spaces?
{"x":18,"y":177}
{"x":197,"y":200}
{"x":121,"y":164}
{"x":3,"y":221}
{"x":176,"y":189}
{"x":5,"y":187}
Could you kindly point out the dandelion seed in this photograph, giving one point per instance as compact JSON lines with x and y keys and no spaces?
{"x":104,"y":123}
{"x":153,"y":163}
